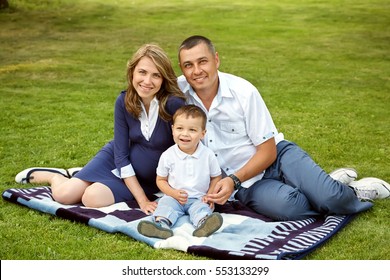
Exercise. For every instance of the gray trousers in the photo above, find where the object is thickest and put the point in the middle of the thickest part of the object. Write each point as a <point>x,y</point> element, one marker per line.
<point>295,187</point>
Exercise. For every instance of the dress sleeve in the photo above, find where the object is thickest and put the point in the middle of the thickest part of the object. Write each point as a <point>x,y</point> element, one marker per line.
<point>174,103</point>
<point>121,140</point>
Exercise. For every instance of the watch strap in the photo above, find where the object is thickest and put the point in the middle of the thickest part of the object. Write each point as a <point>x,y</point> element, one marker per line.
<point>237,182</point>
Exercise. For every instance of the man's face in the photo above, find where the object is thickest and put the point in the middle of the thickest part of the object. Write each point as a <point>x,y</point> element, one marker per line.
<point>200,67</point>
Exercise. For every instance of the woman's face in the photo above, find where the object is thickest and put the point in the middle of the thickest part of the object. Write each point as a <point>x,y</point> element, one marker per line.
<point>147,80</point>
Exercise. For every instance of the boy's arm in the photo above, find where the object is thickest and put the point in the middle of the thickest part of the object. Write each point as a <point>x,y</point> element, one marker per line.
<point>213,182</point>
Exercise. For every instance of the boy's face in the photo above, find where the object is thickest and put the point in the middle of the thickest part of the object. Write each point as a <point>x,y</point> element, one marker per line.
<point>187,132</point>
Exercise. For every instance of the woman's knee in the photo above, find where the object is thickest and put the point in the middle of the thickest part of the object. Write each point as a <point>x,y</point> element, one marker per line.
<point>67,192</point>
<point>97,195</point>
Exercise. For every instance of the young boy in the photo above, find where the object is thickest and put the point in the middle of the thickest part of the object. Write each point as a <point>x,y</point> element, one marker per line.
<point>186,172</point>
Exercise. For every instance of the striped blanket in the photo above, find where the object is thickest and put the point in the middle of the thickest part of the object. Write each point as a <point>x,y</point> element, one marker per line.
<point>244,234</point>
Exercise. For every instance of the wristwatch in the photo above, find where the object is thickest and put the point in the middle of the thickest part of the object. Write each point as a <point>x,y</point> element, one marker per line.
<point>236,181</point>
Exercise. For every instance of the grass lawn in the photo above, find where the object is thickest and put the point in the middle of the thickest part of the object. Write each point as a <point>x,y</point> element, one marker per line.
<point>322,67</point>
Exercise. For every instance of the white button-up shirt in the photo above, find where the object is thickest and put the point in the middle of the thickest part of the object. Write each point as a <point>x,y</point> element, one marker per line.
<point>148,121</point>
<point>238,121</point>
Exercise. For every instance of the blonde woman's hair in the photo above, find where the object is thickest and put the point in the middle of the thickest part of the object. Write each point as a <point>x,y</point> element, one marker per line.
<point>169,85</point>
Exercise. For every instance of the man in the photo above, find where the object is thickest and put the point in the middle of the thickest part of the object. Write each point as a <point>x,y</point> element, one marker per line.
<point>272,176</point>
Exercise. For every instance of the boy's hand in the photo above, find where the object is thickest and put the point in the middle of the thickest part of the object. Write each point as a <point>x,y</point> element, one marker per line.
<point>181,196</point>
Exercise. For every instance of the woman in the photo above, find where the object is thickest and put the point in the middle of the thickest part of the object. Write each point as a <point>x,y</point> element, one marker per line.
<point>125,168</point>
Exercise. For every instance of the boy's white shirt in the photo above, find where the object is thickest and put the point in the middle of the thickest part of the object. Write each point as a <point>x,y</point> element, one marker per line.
<point>189,172</point>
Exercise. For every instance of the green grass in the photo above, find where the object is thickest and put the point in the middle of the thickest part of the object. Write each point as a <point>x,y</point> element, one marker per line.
<point>321,66</point>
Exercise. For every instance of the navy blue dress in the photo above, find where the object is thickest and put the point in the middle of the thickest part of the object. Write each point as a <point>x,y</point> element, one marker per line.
<point>130,147</point>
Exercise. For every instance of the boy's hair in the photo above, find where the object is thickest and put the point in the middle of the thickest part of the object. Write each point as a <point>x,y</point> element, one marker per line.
<point>191,111</point>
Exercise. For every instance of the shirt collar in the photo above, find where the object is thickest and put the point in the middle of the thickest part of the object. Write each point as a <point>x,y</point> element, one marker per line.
<point>223,87</point>
<point>153,104</point>
<point>182,155</point>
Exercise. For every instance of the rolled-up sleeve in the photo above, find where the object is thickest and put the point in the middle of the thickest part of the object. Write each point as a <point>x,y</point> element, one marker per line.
<point>257,116</point>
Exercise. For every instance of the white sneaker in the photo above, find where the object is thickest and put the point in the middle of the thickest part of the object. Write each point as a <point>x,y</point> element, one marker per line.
<point>73,171</point>
<point>24,176</point>
<point>344,175</point>
<point>371,188</point>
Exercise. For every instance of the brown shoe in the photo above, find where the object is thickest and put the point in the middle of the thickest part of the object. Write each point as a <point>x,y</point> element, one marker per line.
<point>210,225</point>
<point>151,229</point>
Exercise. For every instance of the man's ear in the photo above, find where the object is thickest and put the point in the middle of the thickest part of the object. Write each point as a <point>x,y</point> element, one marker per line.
<point>217,61</point>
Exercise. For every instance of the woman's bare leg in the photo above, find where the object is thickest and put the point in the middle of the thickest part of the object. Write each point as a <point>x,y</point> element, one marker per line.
<point>98,195</point>
<point>68,191</point>
<point>46,177</point>
<point>73,190</point>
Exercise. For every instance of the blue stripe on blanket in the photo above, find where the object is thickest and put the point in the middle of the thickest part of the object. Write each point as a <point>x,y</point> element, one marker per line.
<point>243,235</point>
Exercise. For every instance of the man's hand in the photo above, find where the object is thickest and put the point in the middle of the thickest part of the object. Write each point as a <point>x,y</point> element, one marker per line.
<point>222,191</point>
<point>211,204</point>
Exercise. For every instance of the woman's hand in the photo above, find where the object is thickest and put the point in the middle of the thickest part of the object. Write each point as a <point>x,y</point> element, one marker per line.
<point>148,207</point>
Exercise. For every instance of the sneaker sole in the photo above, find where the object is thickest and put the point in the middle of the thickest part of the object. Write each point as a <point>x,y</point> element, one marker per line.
<point>151,229</point>
<point>211,225</point>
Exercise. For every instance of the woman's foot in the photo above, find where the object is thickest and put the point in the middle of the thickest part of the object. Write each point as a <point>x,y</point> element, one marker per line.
<point>39,175</point>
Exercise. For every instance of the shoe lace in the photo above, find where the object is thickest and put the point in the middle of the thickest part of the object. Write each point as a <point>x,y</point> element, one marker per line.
<point>366,193</point>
